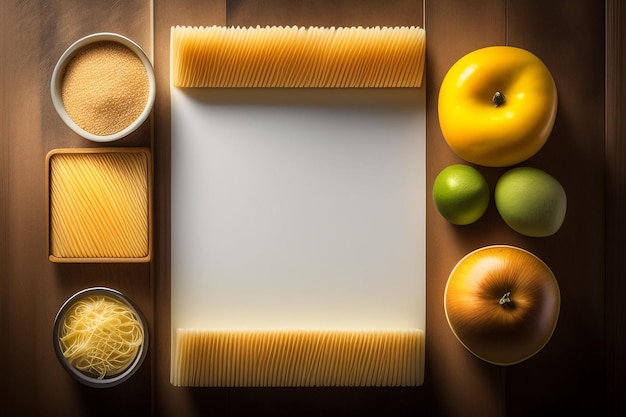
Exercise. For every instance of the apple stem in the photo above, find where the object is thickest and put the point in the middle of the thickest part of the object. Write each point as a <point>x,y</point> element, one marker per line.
<point>506,299</point>
<point>498,99</point>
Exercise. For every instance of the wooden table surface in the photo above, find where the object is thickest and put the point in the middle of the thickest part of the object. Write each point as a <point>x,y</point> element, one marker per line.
<point>581,369</point>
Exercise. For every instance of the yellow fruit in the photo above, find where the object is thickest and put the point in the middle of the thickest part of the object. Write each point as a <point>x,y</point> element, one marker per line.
<point>497,106</point>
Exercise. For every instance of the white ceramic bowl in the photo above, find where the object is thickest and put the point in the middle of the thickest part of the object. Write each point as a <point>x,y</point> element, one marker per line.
<point>86,378</point>
<point>59,73</point>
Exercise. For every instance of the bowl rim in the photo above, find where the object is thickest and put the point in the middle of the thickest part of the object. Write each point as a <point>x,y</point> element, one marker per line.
<point>81,376</point>
<point>59,71</point>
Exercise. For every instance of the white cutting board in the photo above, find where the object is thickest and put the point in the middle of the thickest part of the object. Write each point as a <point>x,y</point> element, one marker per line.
<point>298,209</point>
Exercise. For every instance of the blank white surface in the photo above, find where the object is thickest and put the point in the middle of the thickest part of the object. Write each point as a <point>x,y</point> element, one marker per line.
<point>298,209</point>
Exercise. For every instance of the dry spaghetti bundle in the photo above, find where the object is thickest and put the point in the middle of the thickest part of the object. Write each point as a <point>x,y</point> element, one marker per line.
<point>278,56</point>
<point>100,336</point>
<point>297,358</point>
<point>99,205</point>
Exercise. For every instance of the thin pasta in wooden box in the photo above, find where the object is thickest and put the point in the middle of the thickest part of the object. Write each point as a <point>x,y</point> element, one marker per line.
<point>99,205</point>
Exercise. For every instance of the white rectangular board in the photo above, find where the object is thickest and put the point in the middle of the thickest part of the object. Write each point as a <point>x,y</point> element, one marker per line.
<point>298,208</point>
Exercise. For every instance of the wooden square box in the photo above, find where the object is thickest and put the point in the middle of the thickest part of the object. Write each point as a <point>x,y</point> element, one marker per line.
<point>99,204</point>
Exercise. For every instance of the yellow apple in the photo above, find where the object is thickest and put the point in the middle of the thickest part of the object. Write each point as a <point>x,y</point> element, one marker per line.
<point>497,106</point>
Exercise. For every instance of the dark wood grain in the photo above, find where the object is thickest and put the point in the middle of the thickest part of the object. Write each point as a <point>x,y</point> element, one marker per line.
<point>168,400</point>
<point>35,34</point>
<point>615,206</point>
<point>324,13</point>
<point>582,368</point>
<point>453,29</point>
<point>574,154</point>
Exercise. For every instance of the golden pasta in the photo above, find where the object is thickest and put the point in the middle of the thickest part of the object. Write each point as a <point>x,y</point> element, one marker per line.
<point>222,358</point>
<point>100,336</point>
<point>99,205</point>
<point>277,56</point>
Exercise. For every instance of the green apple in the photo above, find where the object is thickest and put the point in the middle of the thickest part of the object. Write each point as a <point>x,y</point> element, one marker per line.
<point>531,201</point>
<point>461,194</point>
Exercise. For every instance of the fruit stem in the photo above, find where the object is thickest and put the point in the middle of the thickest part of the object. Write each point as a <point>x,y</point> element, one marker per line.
<point>498,99</point>
<point>506,299</point>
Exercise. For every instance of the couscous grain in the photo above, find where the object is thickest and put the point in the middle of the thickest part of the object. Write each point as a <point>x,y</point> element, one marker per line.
<point>105,88</point>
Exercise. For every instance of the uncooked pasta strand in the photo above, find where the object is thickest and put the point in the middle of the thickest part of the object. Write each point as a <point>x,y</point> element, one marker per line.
<point>297,358</point>
<point>99,205</point>
<point>277,56</point>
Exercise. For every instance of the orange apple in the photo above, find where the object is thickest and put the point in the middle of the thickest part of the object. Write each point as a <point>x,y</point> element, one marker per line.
<point>502,303</point>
